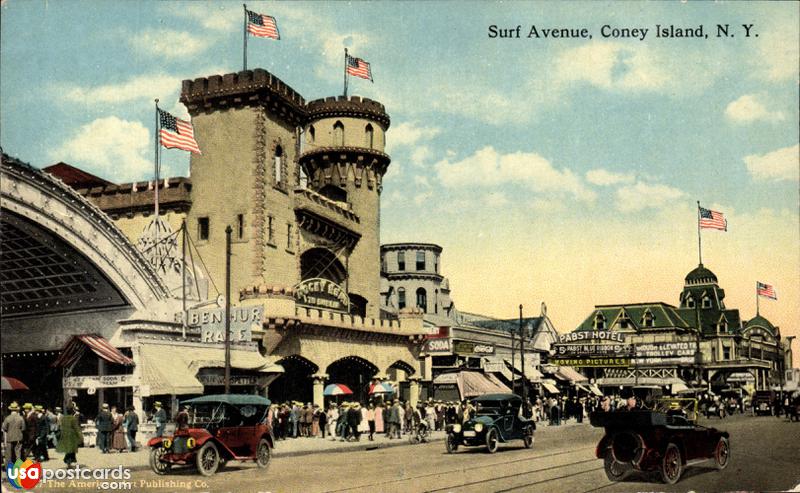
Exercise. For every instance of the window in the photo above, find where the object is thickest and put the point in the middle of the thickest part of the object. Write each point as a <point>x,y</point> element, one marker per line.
<point>726,352</point>
<point>312,135</point>
<point>240,226</point>
<point>338,133</point>
<point>599,322</point>
<point>689,302</point>
<point>369,136</point>
<point>383,263</point>
<point>647,319</point>
<point>270,230</point>
<point>723,326</point>
<point>278,166</point>
<point>422,299</point>
<point>436,263</point>
<point>401,260</point>
<point>303,179</point>
<point>436,301</point>
<point>706,302</point>
<point>202,228</point>
<point>401,298</point>
<point>624,321</point>
<point>420,260</point>
<point>289,236</point>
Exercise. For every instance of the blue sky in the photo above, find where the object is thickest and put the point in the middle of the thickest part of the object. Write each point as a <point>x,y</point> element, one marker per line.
<point>556,170</point>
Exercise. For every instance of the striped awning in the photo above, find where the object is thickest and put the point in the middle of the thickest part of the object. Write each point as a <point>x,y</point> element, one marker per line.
<point>75,347</point>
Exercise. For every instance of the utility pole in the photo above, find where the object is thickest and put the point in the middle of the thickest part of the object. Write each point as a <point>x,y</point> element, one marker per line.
<point>513,363</point>
<point>522,358</point>
<point>228,309</point>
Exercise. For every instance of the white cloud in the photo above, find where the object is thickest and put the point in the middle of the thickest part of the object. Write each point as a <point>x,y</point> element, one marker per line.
<point>214,16</point>
<point>169,44</point>
<point>779,165</point>
<point>547,205</point>
<point>488,168</point>
<point>421,181</point>
<point>604,177</point>
<point>778,52</point>
<point>141,87</point>
<point>409,133</point>
<point>640,196</point>
<point>749,108</point>
<point>116,149</point>
<point>612,66</point>
<point>420,155</point>
<point>422,197</point>
<point>495,199</point>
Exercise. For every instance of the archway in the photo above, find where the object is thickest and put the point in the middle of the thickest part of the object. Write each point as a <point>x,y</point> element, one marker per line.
<point>356,373</point>
<point>398,372</point>
<point>321,262</point>
<point>295,384</point>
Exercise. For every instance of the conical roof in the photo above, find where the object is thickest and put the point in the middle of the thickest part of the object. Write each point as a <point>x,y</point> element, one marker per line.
<point>700,275</point>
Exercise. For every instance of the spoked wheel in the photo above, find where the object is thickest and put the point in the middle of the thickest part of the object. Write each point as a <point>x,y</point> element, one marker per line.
<point>208,459</point>
<point>263,453</point>
<point>615,470</point>
<point>492,440</point>
<point>450,443</point>
<point>156,464</point>
<point>722,453</point>
<point>528,439</point>
<point>671,464</point>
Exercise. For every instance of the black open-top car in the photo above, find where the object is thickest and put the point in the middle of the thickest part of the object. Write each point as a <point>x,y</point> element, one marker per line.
<point>644,440</point>
<point>497,420</point>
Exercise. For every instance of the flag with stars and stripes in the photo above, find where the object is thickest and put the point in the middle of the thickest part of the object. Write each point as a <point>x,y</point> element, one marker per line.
<point>359,68</point>
<point>713,220</point>
<point>176,133</point>
<point>766,290</point>
<point>263,26</point>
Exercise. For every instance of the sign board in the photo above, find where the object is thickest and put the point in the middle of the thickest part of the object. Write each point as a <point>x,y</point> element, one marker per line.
<point>236,380</point>
<point>665,352</point>
<point>594,362</point>
<point>470,348</point>
<point>98,381</point>
<point>212,323</point>
<point>618,350</point>
<point>494,366</point>
<point>438,346</point>
<point>596,335</point>
<point>322,293</point>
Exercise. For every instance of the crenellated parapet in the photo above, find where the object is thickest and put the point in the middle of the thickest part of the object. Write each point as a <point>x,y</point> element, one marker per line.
<point>342,165</point>
<point>348,107</point>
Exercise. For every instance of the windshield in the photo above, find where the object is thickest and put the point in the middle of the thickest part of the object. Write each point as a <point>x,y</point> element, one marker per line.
<point>200,415</point>
<point>487,408</point>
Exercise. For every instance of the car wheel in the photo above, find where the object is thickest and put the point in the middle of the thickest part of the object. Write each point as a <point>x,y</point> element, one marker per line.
<point>671,464</point>
<point>615,470</point>
<point>208,459</point>
<point>722,453</point>
<point>156,464</point>
<point>263,453</point>
<point>492,440</point>
<point>450,443</point>
<point>528,439</point>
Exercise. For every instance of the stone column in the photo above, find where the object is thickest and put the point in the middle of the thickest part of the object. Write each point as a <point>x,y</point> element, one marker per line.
<point>413,390</point>
<point>319,387</point>
<point>138,395</point>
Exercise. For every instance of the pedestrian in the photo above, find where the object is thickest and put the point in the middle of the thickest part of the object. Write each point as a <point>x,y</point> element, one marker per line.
<point>323,422</point>
<point>341,422</point>
<point>71,437</point>
<point>294,420</point>
<point>159,418</point>
<point>332,420</point>
<point>354,420</point>
<point>579,410</point>
<point>380,424</point>
<point>42,432</point>
<point>182,419</point>
<point>131,424</point>
<point>394,420</point>
<point>308,419</point>
<point>14,433</point>
<point>31,430</point>
<point>54,421</point>
<point>117,431</point>
<point>105,426</point>
<point>371,421</point>
<point>386,424</point>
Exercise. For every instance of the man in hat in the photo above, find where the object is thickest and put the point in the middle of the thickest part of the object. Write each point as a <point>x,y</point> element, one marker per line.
<point>13,432</point>
<point>159,418</point>
<point>54,421</point>
<point>31,429</point>
<point>182,419</point>
<point>105,424</point>
<point>43,430</point>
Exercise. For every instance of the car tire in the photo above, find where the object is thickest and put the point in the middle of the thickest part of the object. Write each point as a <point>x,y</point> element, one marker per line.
<point>263,453</point>
<point>671,464</point>
<point>450,443</point>
<point>615,470</point>
<point>528,438</point>
<point>492,440</point>
<point>159,467</point>
<point>722,453</point>
<point>207,459</point>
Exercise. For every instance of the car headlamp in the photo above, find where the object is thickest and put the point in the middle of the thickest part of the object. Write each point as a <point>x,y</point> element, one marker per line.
<point>191,442</point>
<point>167,443</point>
<point>456,428</point>
<point>478,427</point>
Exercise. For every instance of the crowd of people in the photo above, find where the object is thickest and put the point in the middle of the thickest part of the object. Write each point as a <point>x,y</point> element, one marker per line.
<point>33,429</point>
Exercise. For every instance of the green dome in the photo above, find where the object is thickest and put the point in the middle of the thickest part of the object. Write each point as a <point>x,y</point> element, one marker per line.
<point>700,275</point>
<point>759,321</point>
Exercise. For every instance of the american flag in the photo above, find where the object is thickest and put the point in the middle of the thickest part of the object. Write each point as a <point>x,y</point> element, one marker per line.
<point>713,220</point>
<point>263,26</point>
<point>766,290</point>
<point>177,133</point>
<point>358,68</point>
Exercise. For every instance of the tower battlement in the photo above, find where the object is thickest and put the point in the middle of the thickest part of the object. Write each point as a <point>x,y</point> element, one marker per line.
<point>353,107</point>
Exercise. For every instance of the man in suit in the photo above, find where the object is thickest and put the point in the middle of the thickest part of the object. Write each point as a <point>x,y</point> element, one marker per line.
<point>14,432</point>
<point>105,424</point>
<point>159,418</point>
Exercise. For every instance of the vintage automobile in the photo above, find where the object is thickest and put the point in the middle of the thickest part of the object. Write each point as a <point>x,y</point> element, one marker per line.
<point>644,440</point>
<point>762,402</point>
<point>497,420</point>
<point>220,428</point>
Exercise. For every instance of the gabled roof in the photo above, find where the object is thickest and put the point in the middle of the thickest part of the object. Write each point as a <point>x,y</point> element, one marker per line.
<point>665,316</point>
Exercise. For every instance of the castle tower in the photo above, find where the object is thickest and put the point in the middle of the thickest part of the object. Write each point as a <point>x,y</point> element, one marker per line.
<point>343,160</point>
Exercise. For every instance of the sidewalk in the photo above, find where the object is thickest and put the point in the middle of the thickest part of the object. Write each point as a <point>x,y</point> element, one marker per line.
<point>91,456</point>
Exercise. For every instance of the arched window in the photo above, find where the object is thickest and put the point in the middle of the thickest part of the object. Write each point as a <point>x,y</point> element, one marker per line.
<point>278,166</point>
<point>334,193</point>
<point>647,319</point>
<point>599,322</point>
<point>436,301</point>
<point>312,135</point>
<point>624,321</point>
<point>401,260</point>
<point>706,302</point>
<point>422,299</point>
<point>401,298</point>
<point>338,133</point>
<point>689,302</point>
<point>369,136</point>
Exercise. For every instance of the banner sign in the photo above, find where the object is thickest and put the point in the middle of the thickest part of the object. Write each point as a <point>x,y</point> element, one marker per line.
<point>620,350</point>
<point>593,362</point>
<point>438,346</point>
<point>98,381</point>
<point>665,352</point>
<point>596,335</point>
<point>468,348</point>
<point>212,323</point>
<point>494,366</point>
<point>322,293</point>
<point>237,380</point>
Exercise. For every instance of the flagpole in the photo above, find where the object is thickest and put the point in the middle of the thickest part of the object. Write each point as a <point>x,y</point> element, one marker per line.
<point>758,310</point>
<point>244,35</point>
<point>699,243</point>
<point>155,185</point>
<point>345,72</point>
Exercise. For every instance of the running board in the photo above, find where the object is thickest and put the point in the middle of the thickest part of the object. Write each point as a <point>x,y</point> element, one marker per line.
<point>694,462</point>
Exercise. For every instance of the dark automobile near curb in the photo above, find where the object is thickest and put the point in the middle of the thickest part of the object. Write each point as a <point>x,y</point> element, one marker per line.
<point>221,428</point>
<point>650,441</point>
<point>497,420</point>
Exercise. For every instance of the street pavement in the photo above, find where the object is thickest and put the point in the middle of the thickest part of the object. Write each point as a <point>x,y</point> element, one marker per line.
<point>764,457</point>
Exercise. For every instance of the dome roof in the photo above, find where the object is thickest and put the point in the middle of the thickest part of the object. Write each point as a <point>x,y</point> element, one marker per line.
<point>700,275</point>
<point>760,321</point>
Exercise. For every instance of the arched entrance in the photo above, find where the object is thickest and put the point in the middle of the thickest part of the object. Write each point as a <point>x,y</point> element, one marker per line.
<point>399,372</point>
<point>322,263</point>
<point>356,373</point>
<point>295,384</point>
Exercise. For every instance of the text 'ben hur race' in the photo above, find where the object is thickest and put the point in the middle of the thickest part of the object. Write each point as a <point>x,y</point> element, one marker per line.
<point>624,32</point>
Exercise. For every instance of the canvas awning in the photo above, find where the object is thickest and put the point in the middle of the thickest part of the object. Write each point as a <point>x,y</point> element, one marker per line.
<point>595,390</point>
<point>76,346</point>
<point>531,373</point>
<point>678,387</point>
<point>472,383</point>
<point>569,374</point>
<point>551,388</point>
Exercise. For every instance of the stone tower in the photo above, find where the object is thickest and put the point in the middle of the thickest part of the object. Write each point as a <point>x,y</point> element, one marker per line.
<point>343,159</point>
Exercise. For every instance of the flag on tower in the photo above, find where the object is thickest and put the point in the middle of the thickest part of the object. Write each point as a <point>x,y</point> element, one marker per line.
<point>359,68</point>
<point>263,26</point>
<point>766,290</point>
<point>712,220</point>
<point>177,133</point>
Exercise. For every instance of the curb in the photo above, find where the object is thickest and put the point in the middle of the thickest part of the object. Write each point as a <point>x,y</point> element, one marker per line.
<point>354,448</point>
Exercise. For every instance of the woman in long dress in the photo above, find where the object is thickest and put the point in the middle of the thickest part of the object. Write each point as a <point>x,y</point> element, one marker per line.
<point>379,418</point>
<point>118,436</point>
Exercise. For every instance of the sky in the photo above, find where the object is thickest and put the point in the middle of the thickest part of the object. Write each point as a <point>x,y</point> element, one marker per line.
<point>563,171</point>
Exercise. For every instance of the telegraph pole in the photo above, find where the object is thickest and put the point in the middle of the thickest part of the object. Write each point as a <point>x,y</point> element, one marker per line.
<point>522,358</point>
<point>228,309</point>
